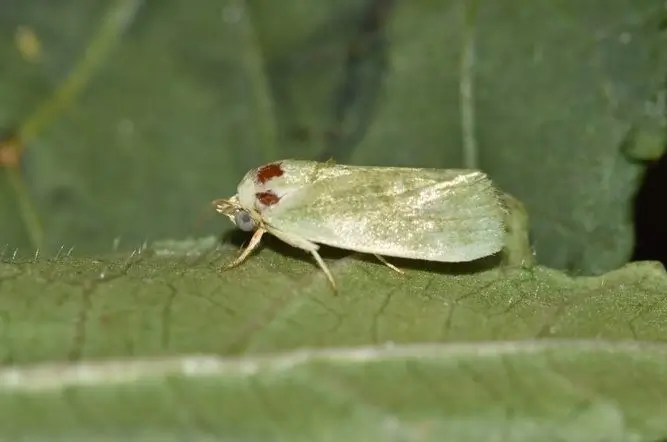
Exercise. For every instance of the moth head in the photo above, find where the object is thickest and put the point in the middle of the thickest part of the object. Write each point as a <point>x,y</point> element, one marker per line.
<point>233,210</point>
<point>228,207</point>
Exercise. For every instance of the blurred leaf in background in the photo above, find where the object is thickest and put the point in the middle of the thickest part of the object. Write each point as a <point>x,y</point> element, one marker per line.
<point>189,98</point>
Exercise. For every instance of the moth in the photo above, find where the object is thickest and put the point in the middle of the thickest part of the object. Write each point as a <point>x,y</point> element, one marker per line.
<point>444,215</point>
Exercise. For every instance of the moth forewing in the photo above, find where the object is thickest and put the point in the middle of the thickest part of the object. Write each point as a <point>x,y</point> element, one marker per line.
<point>447,215</point>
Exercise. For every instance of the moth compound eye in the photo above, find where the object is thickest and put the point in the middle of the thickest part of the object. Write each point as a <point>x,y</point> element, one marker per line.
<point>244,221</point>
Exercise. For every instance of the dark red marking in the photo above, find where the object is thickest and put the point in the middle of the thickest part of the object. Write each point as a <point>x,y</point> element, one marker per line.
<point>267,198</point>
<point>268,172</point>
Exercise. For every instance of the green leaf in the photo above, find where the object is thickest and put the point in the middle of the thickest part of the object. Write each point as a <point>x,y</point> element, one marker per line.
<point>164,342</point>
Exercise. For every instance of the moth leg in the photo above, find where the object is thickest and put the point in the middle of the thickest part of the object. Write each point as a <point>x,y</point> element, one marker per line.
<point>304,244</point>
<point>390,265</point>
<point>324,268</point>
<point>252,245</point>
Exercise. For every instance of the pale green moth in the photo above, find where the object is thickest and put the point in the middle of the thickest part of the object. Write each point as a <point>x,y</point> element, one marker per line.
<point>445,215</point>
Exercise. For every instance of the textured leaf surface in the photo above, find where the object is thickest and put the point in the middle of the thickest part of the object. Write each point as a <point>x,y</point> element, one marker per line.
<point>111,346</point>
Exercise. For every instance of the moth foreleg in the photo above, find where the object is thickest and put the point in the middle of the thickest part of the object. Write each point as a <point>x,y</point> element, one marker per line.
<point>252,245</point>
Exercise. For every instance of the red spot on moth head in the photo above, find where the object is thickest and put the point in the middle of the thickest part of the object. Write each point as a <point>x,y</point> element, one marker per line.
<point>267,198</point>
<point>268,172</point>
